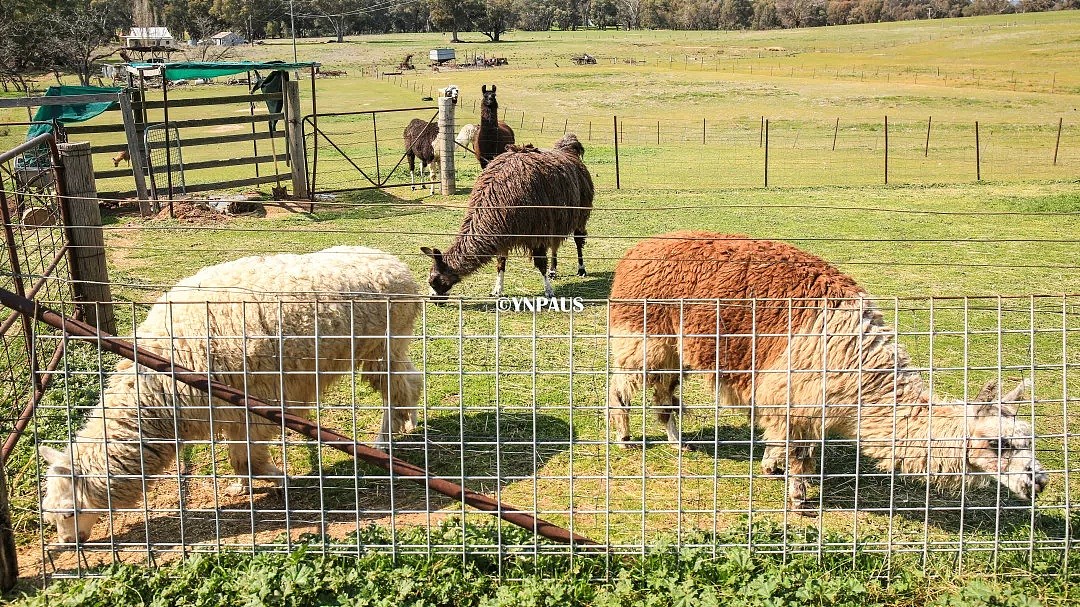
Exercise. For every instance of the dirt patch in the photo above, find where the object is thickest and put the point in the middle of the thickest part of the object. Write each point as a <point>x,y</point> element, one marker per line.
<point>189,212</point>
<point>212,520</point>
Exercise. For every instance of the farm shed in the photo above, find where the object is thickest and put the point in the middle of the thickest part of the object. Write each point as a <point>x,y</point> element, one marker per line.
<point>149,36</point>
<point>227,39</point>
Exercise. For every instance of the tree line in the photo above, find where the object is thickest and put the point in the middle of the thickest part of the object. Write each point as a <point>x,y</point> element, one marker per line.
<point>73,35</point>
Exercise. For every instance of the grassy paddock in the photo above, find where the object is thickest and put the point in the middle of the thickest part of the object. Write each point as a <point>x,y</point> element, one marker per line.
<point>933,232</point>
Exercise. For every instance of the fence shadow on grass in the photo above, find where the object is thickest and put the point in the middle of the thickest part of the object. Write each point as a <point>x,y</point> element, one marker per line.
<point>986,510</point>
<point>347,493</point>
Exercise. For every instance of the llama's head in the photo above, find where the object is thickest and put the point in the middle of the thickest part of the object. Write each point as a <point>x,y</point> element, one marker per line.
<point>61,505</point>
<point>569,143</point>
<point>489,100</point>
<point>1001,446</point>
<point>442,278</point>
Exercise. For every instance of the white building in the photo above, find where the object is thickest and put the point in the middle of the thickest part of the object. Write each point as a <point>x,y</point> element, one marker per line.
<point>149,36</point>
<point>227,39</point>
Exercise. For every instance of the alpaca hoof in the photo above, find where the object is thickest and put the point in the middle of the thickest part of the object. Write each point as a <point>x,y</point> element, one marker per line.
<point>236,489</point>
<point>803,508</point>
<point>552,275</point>
<point>626,445</point>
<point>771,470</point>
<point>582,273</point>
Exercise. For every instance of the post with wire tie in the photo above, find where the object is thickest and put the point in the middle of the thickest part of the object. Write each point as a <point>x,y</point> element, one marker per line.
<point>447,99</point>
<point>294,129</point>
<point>86,241</point>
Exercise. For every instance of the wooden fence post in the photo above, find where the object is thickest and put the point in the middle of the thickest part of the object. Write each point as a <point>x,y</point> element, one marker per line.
<point>135,152</point>
<point>294,130</point>
<point>835,131</point>
<point>446,140</point>
<point>89,272</point>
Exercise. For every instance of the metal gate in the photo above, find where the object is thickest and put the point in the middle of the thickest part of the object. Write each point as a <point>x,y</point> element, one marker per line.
<point>350,151</point>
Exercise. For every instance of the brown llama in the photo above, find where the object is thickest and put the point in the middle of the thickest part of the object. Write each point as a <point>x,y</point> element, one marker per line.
<point>494,135</point>
<point>526,199</point>
<point>768,355</point>
<point>420,144</point>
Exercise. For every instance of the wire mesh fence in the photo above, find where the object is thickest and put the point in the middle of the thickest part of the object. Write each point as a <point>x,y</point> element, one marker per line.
<point>515,405</point>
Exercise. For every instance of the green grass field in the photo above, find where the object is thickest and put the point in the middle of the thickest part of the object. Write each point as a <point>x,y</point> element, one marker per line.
<point>932,232</point>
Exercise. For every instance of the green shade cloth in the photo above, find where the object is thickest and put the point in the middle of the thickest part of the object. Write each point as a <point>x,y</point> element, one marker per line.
<point>188,70</point>
<point>69,113</point>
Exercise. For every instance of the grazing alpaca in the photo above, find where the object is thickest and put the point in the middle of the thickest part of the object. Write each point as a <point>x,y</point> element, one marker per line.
<point>366,299</point>
<point>493,135</point>
<point>526,199</point>
<point>420,144</point>
<point>769,357</point>
<point>121,157</point>
<point>466,136</point>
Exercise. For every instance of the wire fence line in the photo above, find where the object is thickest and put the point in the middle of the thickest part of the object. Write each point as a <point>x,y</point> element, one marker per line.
<point>658,153</point>
<point>515,405</point>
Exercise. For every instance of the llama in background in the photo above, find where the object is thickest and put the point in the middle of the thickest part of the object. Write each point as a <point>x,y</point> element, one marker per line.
<point>420,144</point>
<point>769,353</point>
<point>526,199</point>
<point>493,135</point>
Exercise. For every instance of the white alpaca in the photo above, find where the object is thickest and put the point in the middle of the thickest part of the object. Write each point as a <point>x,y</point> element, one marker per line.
<point>465,138</point>
<point>284,328</point>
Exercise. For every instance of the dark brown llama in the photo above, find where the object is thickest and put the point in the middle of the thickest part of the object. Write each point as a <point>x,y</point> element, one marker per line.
<point>494,135</point>
<point>420,144</point>
<point>527,199</point>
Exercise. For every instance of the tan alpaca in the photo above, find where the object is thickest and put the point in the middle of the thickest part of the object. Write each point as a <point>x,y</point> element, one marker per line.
<point>805,316</point>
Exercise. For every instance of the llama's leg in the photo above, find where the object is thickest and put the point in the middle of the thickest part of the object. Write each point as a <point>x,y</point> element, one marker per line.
<point>553,271</point>
<point>500,265</point>
<point>412,171</point>
<point>787,452</point>
<point>400,392</point>
<point>579,242</point>
<point>539,255</point>
<point>668,407</point>
<point>433,169</point>
<point>624,384</point>
<point>248,459</point>
<point>627,362</point>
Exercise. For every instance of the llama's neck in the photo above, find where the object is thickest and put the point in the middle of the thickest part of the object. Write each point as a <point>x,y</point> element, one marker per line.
<point>112,453</point>
<point>489,117</point>
<point>470,250</point>
<point>916,438</point>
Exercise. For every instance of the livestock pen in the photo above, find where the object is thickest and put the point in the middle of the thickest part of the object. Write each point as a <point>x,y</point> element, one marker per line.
<point>514,405</point>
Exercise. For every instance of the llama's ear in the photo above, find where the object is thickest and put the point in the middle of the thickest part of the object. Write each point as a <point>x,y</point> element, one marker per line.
<point>493,88</point>
<point>483,88</point>
<point>988,392</point>
<point>432,253</point>
<point>53,457</point>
